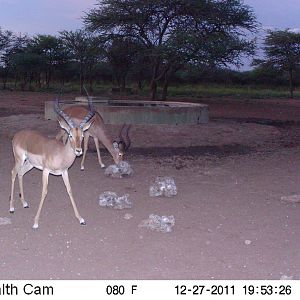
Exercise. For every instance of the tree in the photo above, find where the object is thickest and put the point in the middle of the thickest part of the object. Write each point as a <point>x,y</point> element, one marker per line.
<point>51,54</point>
<point>122,54</point>
<point>95,53</point>
<point>27,66</point>
<point>14,44</point>
<point>282,50</point>
<point>83,48</point>
<point>175,32</point>
<point>5,39</point>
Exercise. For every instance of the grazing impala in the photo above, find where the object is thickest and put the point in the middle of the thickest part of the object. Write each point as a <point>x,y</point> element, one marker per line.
<point>32,150</point>
<point>98,131</point>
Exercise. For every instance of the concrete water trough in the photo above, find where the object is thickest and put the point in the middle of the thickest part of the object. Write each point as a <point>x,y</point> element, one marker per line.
<point>139,112</point>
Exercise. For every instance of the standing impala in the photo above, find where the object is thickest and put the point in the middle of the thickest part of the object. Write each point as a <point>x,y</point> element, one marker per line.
<point>33,150</point>
<point>98,131</point>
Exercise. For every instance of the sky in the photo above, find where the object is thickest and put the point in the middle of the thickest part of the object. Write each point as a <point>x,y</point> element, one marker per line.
<point>277,14</point>
<point>43,16</point>
<point>52,16</point>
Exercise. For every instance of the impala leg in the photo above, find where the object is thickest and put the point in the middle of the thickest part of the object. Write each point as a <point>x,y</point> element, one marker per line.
<point>25,168</point>
<point>13,178</point>
<point>44,193</point>
<point>98,153</point>
<point>65,177</point>
<point>85,148</point>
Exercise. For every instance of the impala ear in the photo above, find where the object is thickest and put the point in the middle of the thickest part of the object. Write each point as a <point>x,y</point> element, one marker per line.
<point>64,125</point>
<point>122,146</point>
<point>86,126</point>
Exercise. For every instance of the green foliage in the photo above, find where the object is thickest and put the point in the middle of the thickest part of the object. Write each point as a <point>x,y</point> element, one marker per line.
<point>182,47</point>
<point>234,92</point>
<point>84,49</point>
<point>178,32</point>
<point>282,50</point>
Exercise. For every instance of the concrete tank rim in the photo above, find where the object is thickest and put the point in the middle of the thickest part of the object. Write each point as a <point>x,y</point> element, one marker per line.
<point>110,102</point>
<point>141,111</point>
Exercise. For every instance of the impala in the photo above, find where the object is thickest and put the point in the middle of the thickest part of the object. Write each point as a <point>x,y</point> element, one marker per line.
<point>98,131</point>
<point>33,150</point>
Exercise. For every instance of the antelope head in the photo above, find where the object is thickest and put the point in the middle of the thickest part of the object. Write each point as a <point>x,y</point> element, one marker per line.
<point>123,142</point>
<point>75,133</point>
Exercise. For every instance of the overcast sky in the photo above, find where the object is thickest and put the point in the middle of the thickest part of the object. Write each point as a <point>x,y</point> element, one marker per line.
<point>43,16</point>
<point>52,16</point>
<point>277,14</point>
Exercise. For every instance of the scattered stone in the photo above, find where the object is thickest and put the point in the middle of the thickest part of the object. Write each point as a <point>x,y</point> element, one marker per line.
<point>163,186</point>
<point>163,224</point>
<point>291,198</point>
<point>111,199</point>
<point>128,216</point>
<point>248,242</point>
<point>123,169</point>
<point>5,221</point>
<point>285,277</point>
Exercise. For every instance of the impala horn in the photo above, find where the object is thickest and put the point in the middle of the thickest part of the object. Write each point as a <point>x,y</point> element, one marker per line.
<point>62,114</point>
<point>91,112</point>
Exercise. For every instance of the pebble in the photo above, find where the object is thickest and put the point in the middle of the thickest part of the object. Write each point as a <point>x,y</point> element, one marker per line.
<point>128,216</point>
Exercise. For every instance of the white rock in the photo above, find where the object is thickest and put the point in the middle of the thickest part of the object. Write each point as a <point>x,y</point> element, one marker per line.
<point>128,216</point>
<point>5,221</point>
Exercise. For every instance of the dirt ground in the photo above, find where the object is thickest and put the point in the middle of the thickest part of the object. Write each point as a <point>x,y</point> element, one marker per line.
<point>230,221</point>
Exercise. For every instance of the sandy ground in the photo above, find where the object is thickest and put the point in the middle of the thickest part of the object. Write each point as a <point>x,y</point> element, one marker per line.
<point>230,220</point>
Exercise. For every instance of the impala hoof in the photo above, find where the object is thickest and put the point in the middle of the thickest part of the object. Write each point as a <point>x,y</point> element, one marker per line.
<point>102,166</point>
<point>82,168</point>
<point>11,210</point>
<point>82,222</point>
<point>35,226</point>
<point>25,205</point>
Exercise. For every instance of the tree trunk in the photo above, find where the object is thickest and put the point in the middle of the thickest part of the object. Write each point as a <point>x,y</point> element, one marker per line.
<point>123,83</point>
<point>49,78</point>
<point>153,84</point>
<point>4,80</point>
<point>81,78</point>
<point>165,87</point>
<point>153,88</point>
<point>16,80</point>
<point>291,83</point>
<point>140,84</point>
<point>39,84</point>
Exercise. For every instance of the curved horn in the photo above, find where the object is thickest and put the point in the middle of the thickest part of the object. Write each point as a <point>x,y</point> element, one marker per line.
<point>91,107</point>
<point>62,114</point>
<point>91,112</point>
<point>86,119</point>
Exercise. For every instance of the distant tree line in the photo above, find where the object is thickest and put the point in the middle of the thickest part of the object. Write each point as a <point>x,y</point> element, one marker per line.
<point>150,43</point>
<point>42,59</point>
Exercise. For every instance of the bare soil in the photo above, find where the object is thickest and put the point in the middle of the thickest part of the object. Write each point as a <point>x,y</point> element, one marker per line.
<point>230,220</point>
